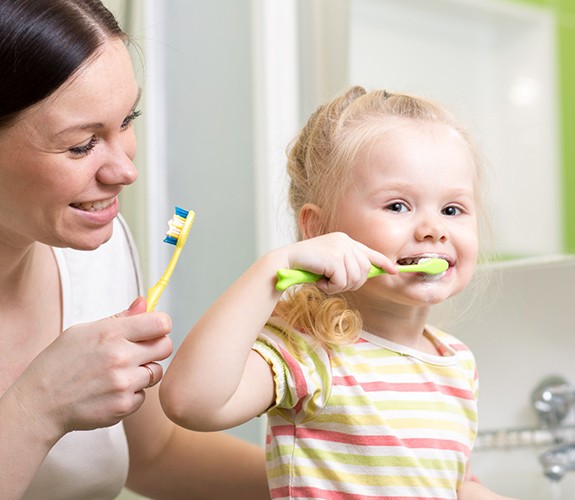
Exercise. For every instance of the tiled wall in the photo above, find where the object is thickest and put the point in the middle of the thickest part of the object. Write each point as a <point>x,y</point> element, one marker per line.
<point>521,328</point>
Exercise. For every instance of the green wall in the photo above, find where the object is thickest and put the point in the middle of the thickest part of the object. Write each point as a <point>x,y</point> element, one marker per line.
<point>565,14</point>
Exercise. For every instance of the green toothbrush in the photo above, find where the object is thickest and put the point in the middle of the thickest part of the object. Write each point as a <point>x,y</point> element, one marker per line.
<point>289,277</point>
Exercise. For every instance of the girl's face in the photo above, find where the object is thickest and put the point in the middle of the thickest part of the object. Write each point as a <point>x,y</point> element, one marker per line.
<point>65,161</point>
<point>413,196</point>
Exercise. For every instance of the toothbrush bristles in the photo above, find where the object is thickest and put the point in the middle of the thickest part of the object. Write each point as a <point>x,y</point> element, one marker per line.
<point>175,225</point>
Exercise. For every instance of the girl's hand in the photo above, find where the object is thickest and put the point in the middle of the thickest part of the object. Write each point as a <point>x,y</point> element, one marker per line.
<point>94,374</point>
<point>343,261</point>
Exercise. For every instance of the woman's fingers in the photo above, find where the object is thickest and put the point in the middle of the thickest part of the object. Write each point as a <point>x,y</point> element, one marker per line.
<point>154,373</point>
<point>136,325</point>
<point>146,339</point>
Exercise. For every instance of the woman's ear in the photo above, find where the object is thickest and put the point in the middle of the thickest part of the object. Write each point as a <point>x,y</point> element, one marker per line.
<point>310,223</point>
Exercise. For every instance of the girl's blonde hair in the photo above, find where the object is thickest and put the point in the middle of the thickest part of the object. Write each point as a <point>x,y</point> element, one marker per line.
<point>320,161</point>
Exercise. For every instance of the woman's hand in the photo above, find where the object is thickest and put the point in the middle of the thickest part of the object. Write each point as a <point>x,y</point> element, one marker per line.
<point>94,374</point>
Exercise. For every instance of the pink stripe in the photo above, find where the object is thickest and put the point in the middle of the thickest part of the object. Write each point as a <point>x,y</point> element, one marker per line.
<point>295,368</point>
<point>369,440</point>
<point>309,492</point>
<point>405,387</point>
<point>459,347</point>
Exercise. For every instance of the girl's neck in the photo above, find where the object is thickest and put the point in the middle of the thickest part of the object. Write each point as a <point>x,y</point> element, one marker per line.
<point>401,324</point>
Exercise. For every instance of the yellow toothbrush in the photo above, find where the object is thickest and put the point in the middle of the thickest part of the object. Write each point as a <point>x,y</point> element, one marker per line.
<point>178,229</point>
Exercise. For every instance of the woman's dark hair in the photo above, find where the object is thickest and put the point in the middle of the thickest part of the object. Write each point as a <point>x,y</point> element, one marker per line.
<point>42,43</point>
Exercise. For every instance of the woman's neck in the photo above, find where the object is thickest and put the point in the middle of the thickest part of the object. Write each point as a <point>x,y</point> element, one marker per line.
<point>24,271</point>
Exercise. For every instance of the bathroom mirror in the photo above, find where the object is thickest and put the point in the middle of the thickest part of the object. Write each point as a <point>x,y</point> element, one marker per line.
<point>491,62</point>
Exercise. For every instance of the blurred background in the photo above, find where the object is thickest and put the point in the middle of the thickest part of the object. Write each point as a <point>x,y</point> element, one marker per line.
<point>227,84</point>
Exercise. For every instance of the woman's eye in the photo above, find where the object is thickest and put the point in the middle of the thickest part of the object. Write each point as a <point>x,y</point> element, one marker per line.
<point>85,149</point>
<point>130,118</point>
<point>397,207</point>
<point>451,211</point>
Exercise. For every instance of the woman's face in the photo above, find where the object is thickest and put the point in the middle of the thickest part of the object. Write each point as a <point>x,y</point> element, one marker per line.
<point>64,162</point>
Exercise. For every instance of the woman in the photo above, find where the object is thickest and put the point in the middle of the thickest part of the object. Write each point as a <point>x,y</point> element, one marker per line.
<point>75,355</point>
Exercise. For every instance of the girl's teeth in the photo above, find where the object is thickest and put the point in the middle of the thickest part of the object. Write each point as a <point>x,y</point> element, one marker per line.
<point>417,260</point>
<point>434,277</point>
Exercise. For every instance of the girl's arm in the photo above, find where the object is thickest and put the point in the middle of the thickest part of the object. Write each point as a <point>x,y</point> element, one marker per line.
<point>216,381</point>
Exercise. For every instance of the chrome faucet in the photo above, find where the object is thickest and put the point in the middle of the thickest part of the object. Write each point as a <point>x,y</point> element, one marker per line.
<point>553,400</point>
<point>558,461</point>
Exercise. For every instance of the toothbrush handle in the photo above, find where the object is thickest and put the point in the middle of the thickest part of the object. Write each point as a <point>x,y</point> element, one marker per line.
<point>156,291</point>
<point>289,277</point>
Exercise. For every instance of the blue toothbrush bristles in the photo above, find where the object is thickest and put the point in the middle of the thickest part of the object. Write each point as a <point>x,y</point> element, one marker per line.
<point>175,225</point>
<point>182,212</point>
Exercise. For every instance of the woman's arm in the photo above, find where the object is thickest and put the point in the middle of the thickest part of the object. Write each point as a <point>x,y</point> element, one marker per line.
<point>89,377</point>
<point>25,440</point>
<point>169,462</point>
<point>472,490</point>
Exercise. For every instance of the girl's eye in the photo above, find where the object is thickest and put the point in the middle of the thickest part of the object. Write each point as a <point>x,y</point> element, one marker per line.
<point>397,207</point>
<point>451,211</point>
<point>85,149</point>
<point>130,118</point>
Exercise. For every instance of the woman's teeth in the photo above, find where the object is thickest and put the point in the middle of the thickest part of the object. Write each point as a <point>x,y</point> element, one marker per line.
<point>93,206</point>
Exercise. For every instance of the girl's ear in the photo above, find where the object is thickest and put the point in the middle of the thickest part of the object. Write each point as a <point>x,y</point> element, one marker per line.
<point>309,221</point>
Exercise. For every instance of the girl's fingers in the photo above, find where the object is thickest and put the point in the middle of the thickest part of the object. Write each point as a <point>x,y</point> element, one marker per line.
<point>344,261</point>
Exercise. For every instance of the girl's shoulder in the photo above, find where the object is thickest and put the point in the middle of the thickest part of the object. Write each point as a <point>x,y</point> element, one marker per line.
<point>446,339</point>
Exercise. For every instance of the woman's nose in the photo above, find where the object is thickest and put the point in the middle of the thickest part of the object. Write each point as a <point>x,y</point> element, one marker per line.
<point>119,168</point>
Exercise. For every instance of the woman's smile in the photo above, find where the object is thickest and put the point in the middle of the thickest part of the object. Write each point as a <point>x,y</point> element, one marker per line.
<point>94,206</point>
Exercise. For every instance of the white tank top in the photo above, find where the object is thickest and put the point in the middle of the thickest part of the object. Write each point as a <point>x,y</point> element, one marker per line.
<point>91,464</point>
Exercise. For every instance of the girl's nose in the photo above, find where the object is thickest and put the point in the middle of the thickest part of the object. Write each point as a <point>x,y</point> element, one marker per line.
<point>431,228</point>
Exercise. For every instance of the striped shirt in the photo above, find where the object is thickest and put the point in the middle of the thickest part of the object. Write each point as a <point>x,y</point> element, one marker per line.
<point>373,419</point>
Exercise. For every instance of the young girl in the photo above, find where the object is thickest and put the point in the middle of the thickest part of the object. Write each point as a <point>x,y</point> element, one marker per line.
<point>364,399</point>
